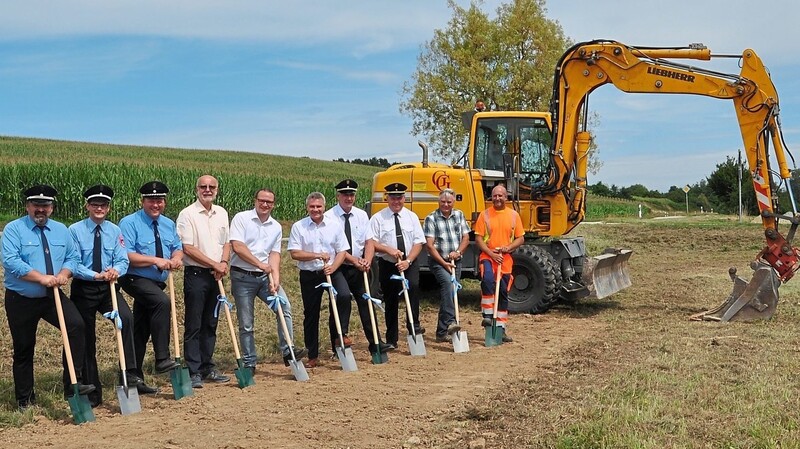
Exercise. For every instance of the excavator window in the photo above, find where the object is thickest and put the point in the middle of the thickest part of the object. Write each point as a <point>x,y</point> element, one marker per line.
<point>530,138</point>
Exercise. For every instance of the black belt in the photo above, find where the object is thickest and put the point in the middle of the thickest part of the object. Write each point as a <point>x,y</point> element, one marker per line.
<point>251,273</point>
<point>86,282</point>
<point>197,269</point>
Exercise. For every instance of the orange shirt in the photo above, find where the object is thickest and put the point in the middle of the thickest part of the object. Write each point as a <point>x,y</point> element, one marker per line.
<point>499,232</point>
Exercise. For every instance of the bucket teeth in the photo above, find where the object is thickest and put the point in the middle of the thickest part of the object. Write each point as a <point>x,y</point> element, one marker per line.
<point>749,301</point>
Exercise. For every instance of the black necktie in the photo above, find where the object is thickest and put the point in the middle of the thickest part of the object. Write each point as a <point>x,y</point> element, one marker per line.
<point>97,251</point>
<point>48,262</point>
<point>398,231</point>
<point>347,232</point>
<point>159,249</point>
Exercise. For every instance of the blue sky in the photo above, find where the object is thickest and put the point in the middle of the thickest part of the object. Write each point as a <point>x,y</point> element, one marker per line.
<point>323,79</point>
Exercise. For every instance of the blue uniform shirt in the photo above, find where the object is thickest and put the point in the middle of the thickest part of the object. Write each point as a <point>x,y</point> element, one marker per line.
<point>23,252</point>
<point>137,230</point>
<point>114,255</point>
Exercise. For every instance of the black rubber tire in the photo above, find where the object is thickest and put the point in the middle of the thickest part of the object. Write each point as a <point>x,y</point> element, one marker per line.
<point>535,287</point>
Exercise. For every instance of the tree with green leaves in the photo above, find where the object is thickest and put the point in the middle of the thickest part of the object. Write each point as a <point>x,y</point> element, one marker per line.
<point>507,62</point>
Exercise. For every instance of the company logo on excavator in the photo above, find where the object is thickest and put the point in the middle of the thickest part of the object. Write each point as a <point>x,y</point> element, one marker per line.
<point>670,74</point>
<point>440,179</point>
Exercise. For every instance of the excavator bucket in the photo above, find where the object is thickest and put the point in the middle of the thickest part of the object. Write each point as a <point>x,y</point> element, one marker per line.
<point>608,272</point>
<point>749,301</point>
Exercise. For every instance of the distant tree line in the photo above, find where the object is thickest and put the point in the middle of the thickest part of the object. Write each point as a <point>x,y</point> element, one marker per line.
<point>373,161</point>
<point>718,192</point>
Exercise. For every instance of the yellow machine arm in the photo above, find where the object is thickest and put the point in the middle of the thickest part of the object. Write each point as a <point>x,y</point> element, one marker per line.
<point>589,65</point>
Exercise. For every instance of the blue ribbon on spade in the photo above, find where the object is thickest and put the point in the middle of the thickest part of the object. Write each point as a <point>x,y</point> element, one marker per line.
<point>220,301</point>
<point>396,277</point>
<point>274,300</point>
<point>378,303</point>
<point>114,316</point>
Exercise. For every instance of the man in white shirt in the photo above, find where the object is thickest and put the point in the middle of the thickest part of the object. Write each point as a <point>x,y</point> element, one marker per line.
<point>396,236</point>
<point>355,222</point>
<point>203,228</point>
<point>255,271</point>
<point>319,246</point>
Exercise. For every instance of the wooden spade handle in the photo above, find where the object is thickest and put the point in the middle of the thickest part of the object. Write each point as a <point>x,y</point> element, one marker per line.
<point>408,305</point>
<point>335,310</point>
<point>63,326</point>
<point>455,293</point>
<point>498,278</point>
<point>286,335</point>
<point>230,321</point>
<point>173,313</point>
<point>371,310</point>
<point>117,331</point>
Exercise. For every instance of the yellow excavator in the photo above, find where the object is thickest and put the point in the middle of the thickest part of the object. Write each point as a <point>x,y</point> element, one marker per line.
<point>542,158</point>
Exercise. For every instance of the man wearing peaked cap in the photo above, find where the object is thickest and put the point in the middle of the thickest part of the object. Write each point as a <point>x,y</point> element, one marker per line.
<point>154,248</point>
<point>347,186</point>
<point>38,256</point>
<point>396,188</point>
<point>41,194</point>
<point>154,189</point>
<point>103,260</point>
<point>396,236</point>
<point>355,222</point>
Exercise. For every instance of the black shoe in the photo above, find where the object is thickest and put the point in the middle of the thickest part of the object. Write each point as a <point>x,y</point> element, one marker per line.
<point>132,378</point>
<point>143,388</point>
<point>442,338</point>
<point>419,330</point>
<point>486,322</point>
<point>163,366</point>
<point>507,338</point>
<point>298,354</point>
<point>197,382</point>
<point>386,347</point>
<point>85,389</point>
<point>26,405</point>
<point>391,346</point>
<point>216,377</point>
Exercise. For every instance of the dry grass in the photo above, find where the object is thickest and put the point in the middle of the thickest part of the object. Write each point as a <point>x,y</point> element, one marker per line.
<point>657,379</point>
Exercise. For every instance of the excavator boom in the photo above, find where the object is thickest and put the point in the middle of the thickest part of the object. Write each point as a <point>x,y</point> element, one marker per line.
<point>589,65</point>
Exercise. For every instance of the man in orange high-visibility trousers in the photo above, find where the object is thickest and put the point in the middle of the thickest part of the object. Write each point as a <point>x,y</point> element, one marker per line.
<point>498,232</point>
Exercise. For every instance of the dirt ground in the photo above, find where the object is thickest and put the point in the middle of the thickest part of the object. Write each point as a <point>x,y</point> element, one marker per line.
<point>478,399</point>
<point>396,404</point>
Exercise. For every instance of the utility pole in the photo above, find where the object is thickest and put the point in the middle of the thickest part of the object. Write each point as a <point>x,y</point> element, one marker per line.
<point>739,171</point>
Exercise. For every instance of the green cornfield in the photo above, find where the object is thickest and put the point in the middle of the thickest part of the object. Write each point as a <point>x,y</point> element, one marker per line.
<point>72,167</point>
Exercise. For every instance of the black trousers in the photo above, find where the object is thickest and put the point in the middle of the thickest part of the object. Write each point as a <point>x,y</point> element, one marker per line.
<point>355,280</point>
<point>23,316</point>
<point>200,291</point>
<point>393,296</point>
<point>91,298</point>
<point>312,303</point>
<point>151,315</point>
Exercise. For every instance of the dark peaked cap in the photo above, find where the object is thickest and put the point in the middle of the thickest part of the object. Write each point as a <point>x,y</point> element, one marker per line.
<point>347,185</point>
<point>154,189</point>
<point>100,192</point>
<point>396,188</point>
<point>40,194</point>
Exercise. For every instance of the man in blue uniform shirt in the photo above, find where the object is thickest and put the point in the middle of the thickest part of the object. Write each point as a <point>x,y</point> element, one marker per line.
<point>154,249</point>
<point>103,259</point>
<point>38,255</point>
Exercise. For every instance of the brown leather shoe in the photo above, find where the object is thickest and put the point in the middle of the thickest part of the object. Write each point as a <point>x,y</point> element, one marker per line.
<point>347,342</point>
<point>311,363</point>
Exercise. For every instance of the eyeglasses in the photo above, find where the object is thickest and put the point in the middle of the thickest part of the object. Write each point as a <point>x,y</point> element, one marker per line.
<point>98,205</point>
<point>207,187</point>
<point>265,201</point>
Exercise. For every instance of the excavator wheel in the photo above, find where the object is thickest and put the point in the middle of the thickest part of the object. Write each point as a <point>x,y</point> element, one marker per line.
<point>535,287</point>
